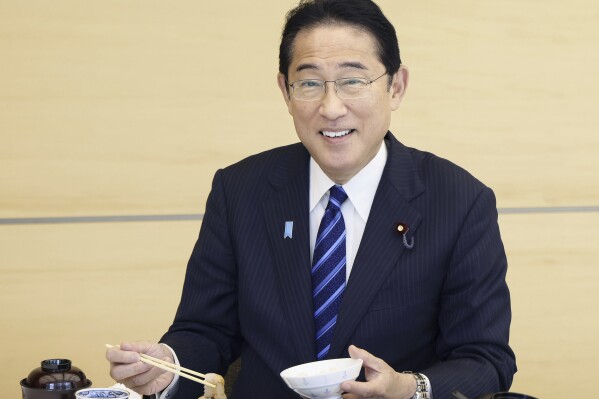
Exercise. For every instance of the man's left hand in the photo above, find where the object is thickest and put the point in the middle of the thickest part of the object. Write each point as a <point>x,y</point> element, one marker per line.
<point>382,382</point>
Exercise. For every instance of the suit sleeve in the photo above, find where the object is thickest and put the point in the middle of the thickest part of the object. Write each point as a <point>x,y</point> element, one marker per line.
<point>475,314</point>
<point>205,332</point>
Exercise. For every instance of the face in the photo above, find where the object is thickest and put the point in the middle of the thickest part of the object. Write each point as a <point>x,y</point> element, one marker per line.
<point>341,135</point>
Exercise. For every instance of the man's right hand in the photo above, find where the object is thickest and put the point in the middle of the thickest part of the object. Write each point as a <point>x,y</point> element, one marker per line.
<point>127,368</point>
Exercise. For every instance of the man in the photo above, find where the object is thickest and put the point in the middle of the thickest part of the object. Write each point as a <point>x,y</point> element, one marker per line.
<point>413,237</point>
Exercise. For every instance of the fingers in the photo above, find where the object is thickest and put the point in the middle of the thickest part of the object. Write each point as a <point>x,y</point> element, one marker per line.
<point>150,382</point>
<point>128,352</point>
<point>381,380</point>
<point>149,348</point>
<point>127,368</point>
<point>118,355</point>
<point>131,374</point>
<point>356,390</point>
<point>371,365</point>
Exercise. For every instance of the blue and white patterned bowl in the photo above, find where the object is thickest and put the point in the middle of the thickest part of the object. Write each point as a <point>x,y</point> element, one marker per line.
<point>102,393</point>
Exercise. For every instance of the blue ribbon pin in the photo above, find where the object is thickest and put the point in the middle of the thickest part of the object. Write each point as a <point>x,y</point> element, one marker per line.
<point>288,230</point>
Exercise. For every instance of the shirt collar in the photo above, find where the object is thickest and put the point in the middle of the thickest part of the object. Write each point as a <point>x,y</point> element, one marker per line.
<point>360,189</point>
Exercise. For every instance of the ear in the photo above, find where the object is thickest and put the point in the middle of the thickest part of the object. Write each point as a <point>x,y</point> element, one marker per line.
<point>284,87</point>
<point>399,86</point>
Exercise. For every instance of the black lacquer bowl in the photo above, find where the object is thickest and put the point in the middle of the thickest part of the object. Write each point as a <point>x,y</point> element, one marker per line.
<point>55,379</point>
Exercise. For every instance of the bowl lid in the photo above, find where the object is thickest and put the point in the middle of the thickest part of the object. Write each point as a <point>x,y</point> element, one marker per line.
<point>56,374</point>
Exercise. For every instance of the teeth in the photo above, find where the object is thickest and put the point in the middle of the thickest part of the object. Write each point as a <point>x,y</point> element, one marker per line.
<point>335,134</point>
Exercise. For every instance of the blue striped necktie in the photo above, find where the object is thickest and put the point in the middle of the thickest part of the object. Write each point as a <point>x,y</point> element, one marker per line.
<point>328,271</point>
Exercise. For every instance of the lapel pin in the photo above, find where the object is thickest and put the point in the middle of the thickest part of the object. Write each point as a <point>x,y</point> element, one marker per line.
<point>403,229</point>
<point>288,230</point>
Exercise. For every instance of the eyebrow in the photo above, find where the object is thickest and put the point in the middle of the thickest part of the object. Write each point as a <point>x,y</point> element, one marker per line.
<point>349,64</point>
<point>355,65</point>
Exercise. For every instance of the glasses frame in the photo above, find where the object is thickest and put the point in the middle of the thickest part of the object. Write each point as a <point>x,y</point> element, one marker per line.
<point>324,83</point>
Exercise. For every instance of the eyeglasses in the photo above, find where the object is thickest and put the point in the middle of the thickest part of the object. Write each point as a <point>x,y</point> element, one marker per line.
<point>346,88</point>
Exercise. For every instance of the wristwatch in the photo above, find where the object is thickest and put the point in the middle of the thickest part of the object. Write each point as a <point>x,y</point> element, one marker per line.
<point>421,391</point>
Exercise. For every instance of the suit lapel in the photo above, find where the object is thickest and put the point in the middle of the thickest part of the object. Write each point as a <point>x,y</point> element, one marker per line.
<point>289,203</point>
<point>381,245</point>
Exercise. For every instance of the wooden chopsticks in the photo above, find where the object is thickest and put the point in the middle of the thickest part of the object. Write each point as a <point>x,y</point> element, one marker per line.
<point>173,368</point>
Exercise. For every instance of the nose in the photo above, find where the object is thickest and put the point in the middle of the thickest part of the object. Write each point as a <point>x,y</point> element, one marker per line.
<point>332,106</point>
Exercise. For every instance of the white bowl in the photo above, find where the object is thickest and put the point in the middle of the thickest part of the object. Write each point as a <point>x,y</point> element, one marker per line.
<point>322,379</point>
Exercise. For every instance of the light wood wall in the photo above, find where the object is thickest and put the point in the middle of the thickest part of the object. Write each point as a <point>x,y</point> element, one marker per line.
<point>127,107</point>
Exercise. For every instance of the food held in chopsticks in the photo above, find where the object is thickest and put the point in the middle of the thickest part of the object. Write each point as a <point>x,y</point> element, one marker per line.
<point>214,393</point>
<point>173,368</point>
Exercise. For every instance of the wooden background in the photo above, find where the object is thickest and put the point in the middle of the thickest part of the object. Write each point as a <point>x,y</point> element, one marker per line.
<point>128,107</point>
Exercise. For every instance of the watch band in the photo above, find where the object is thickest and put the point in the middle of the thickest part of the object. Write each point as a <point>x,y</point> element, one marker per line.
<point>421,388</point>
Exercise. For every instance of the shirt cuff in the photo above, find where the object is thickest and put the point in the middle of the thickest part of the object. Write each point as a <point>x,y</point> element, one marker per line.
<point>171,389</point>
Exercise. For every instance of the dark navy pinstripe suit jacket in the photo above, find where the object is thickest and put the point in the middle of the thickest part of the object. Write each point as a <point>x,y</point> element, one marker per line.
<point>441,308</point>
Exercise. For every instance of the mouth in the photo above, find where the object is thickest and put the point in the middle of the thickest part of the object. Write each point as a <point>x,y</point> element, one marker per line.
<point>336,134</point>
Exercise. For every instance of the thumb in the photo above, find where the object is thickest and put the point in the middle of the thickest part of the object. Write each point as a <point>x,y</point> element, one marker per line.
<point>368,360</point>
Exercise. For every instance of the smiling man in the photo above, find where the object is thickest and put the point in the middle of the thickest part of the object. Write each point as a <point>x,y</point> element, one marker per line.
<point>346,244</point>
<point>341,96</point>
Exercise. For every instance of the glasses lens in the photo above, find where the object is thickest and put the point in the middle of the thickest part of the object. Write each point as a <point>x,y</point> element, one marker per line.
<point>351,87</point>
<point>308,89</point>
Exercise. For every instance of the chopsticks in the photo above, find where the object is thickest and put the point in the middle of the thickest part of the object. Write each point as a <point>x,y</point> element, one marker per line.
<point>173,368</point>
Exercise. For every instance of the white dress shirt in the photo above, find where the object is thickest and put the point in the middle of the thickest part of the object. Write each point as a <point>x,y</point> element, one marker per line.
<point>360,192</point>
